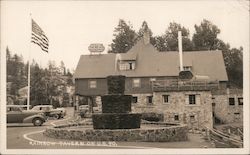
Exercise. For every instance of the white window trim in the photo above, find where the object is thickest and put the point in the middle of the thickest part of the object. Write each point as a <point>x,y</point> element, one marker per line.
<point>163,99</point>
<point>147,99</point>
<point>133,83</point>
<point>90,85</point>
<point>197,99</point>
<point>125,65</point>
<point>239,101</point>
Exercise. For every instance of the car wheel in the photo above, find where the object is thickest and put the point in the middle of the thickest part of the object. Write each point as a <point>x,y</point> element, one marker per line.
<point>37,121</point>
<point>56,116</point>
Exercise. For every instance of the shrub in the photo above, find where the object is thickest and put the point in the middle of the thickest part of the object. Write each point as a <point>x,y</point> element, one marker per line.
<point>116,84</point>
<point>155,117</point>
<point>116,121</point>
<point>116,103</point>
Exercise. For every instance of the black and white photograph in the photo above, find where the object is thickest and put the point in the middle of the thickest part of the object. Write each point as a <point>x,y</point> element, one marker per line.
<point>124,77</point>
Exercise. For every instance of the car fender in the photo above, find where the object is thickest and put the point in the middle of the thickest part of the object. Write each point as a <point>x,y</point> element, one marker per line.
<point>55,112</point>
<point>30,118</point>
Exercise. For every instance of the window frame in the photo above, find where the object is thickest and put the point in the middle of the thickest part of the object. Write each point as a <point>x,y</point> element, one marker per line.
<point>126,65</point>
<point>150,98</point>
<point>134,97</point>
<point>190,100</point>
<point>176,116</point>
<point>192,118</point>
<point>139,83</point>
<point>163,98</point>
<point>91,85</point>
<point>187,68</point>
<point>239,102</point>
<point>230,101</point>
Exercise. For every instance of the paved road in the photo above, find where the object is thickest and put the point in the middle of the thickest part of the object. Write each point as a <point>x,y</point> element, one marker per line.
<point>30,137</point>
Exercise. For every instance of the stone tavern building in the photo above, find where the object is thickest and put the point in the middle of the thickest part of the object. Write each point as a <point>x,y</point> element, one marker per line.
<point>152,78</point>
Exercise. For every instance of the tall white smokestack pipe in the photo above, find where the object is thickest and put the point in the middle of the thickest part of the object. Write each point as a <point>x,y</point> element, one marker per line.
<point>180,49</point>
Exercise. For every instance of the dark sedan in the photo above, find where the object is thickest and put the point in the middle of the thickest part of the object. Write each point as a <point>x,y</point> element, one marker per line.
<point>16,114</point>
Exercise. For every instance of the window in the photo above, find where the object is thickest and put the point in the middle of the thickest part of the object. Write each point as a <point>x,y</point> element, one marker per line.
<point>124,66</point>
<point>240,101</point>
<point>136,83</point>
<point>165,98</point>
<point>192,118</point>
<point>150,99</point>
<point>92,84</point>
<point>176,117</point>
<point>134,99</point>
<point>127,65</point>
<point>130,65</point>
<point>152,79</point>
<point>187,68</point>
<point>192,99</point>
<point>231,101</point>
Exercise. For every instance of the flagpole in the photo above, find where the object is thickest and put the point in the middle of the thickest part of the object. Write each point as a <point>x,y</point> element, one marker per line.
<point>28,93</point>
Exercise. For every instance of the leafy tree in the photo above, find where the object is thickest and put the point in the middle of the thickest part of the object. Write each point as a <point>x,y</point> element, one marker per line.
<point>15,72</point>
<point>125,38</point>
<point>171,38</point>
<point>46,85</point>
<point>55,83</point>
<point>62,68</point>
<point>205,36</point>
<point>37,85</point>
<point>233,58</point>
<point>160,43</point>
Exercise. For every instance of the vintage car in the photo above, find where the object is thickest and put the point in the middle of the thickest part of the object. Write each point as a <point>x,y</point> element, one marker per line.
<point>16,114</point>
<point>50,111</point>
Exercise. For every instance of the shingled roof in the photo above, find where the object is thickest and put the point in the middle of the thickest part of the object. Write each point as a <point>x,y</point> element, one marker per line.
<point>152,63</point>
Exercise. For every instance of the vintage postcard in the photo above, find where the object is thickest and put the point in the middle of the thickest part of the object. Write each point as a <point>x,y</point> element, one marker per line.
<point>124,77</point>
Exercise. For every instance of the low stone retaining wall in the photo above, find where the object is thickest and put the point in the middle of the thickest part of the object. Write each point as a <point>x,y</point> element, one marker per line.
<point>161,133</point>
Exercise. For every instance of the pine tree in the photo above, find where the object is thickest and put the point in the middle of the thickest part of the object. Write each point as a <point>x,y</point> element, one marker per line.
<point>125,38</point>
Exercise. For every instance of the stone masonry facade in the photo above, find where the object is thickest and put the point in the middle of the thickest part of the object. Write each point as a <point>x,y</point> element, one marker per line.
<point>229,111</point>
<point>199,115</point>
<point>177,109</point>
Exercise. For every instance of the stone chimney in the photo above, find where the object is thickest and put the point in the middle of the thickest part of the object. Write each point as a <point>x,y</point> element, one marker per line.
<point>146,37</point>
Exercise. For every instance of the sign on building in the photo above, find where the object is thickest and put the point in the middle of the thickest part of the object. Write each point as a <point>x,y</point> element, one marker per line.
<point>96,48</point>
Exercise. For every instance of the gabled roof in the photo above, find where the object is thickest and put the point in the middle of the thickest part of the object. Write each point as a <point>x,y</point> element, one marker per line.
<point>151,63</point>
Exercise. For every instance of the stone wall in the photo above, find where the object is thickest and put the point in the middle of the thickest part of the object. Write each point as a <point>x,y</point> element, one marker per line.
<point>197,116</point>
<point>225,112</point>
<point>161,133</point>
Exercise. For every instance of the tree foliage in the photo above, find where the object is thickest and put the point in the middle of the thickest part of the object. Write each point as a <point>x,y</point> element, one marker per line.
<point>145,28</point>
<point>47,85</point>
<point>16,72</point>
<point>205,37</point>
<point>171,37</point>
<point>125,38</point>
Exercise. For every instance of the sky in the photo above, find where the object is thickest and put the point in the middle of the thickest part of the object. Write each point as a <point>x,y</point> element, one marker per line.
<point>72,26</point>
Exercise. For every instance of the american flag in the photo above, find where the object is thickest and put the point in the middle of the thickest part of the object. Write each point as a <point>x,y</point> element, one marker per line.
<point>38,37</point>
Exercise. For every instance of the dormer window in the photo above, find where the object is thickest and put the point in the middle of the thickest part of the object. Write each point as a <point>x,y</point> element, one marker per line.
<point>127,65</point>
<point>187,68</point>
